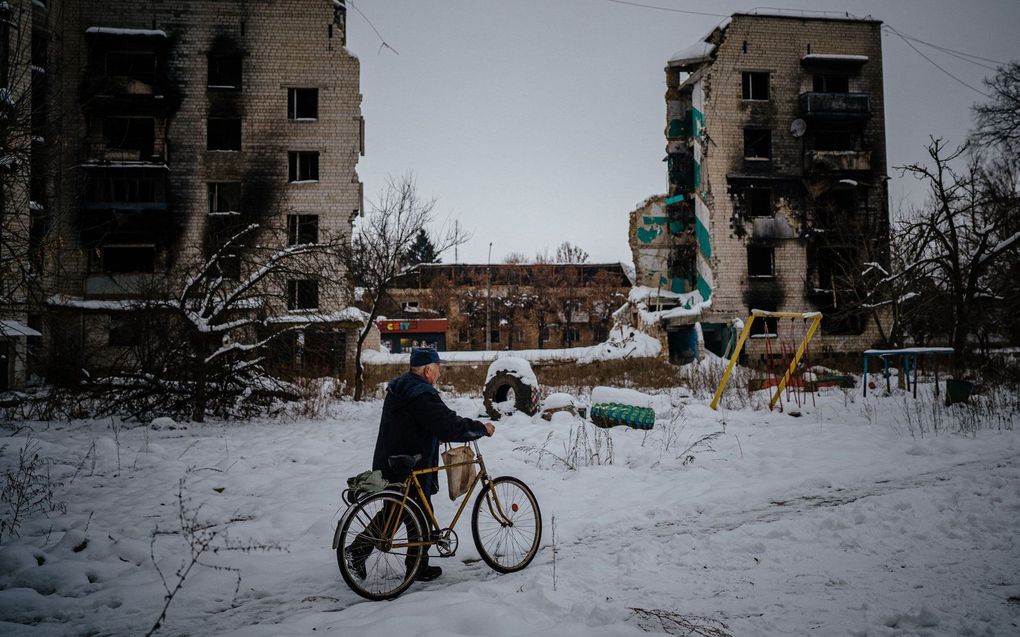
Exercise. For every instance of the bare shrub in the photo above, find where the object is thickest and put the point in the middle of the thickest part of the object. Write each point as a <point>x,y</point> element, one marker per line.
<point>586,445</point>
<point>27,488</point>
<point>675,623</point>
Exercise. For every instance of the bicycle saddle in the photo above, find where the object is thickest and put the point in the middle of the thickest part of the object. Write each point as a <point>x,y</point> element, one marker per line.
<point>404,462</point>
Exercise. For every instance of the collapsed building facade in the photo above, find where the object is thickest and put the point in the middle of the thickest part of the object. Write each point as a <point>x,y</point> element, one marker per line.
<point>775,148</point>
<point>159,132</point>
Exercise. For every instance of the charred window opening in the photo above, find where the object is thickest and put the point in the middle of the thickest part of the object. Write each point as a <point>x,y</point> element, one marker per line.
<point>303,165</point>
<point>757,143</point>
<point>755,86</point>
<point>225,70</point>
<point>761,261</point>
<point>128,258</point>
<point>40,48</point>
<point>225,198</point>
<point>303,103</point>
<point>40,104</point>
<point>758,202</point>
<point>224,133</point>
<point>324,351</point>
<point>132,138</point>
<point>302,294</point>
<point>124,189</point>
<point>302,229</point>
<point>680,167</point>
<point>836,209</point>
<point>229,266</point>
<point>5,47</point>
<point>125,331</point>
<point>835,140</point>
<point>133,65</point>
<point>765,325</point>
<point>831,83</point>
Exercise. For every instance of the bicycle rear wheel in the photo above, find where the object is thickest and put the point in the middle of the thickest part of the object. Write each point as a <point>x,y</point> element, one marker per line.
<point>507,528</point>
<point>373,562</point>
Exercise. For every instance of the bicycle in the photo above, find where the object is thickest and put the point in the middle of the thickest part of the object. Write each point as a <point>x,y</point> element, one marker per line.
<point>382,538</point>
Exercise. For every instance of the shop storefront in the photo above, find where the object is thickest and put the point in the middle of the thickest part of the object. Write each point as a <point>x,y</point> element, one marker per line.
<point>400,335</point>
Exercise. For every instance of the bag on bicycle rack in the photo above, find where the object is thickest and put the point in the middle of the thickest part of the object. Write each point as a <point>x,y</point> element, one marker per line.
<point>363,484</point>
<point>458,479</point>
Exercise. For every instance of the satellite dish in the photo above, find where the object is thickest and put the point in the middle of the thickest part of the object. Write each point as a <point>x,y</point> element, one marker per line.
<point>798,127</point>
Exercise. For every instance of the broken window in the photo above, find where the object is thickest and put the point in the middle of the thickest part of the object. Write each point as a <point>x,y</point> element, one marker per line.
<point>493,336</point>
<point>302,294</point>
<point>835,140</point>
<point>759,202</point>
<point>225,198</point>
<point>122,189</point>
<point>125,331</point>
<point>302,229</point>
<point>760,261</point>
<point>571,335</point>
<point>40,48</point>
<point>757,143</point>
<point>224,133</point>
<point>225,70</point>
<point>765,325</point>
<point>131,138</point>
<point>303,103</point>
<point>831,83</point>
<point>135,65</point>
<point>229,266</point>
<point>303,165</point>
<point>129,258</point>
<point>40,104</point>
<point>409,305</point>
<point>755,85</point>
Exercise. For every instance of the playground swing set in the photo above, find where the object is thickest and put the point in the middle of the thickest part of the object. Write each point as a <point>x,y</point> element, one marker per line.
<point>785,351</point>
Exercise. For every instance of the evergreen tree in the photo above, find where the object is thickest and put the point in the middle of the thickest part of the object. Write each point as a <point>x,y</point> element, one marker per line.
<point>421,250</point>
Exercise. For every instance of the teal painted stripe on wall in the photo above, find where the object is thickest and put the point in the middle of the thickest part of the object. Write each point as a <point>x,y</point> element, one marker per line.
<point>704,288</point>
<point>704,240</point>
<point>676,199</point>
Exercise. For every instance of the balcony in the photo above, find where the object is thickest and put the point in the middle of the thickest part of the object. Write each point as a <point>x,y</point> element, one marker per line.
<point>833,161</point>
<point>124,284</point>
<point>835,106</point>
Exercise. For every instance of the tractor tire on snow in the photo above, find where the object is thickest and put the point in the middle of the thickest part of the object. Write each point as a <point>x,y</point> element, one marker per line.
<point>498,389</point>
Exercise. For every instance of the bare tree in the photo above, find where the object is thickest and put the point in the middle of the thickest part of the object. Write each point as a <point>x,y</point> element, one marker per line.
<point>567,252</point>
<point>962,234</point>
<point>379,244</point>
<point>998,121</point>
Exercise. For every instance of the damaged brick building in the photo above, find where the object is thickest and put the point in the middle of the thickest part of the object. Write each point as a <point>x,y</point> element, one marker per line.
<point>775,142</point>
<point>162,130</point>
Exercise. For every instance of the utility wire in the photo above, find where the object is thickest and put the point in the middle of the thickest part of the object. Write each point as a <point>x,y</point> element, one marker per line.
<point>383,44</point>
<point>958,54</point>
<point>936,65</point>
<point>650,6</point>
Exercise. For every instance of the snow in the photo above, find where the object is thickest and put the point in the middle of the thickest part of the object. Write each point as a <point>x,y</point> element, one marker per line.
<point>10,328</point>
<point>558,400</point>
<point>158,33</point>
<point>837,522</point>
<point>515,366</point>
<point>346,315</point>
<point>621,396</point>
<point>1000,247</point>
<point>834,57</point>
<point>91,304</point>
<point>698,52</point>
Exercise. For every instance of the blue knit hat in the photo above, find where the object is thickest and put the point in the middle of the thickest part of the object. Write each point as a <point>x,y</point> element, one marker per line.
<point>421,356</point>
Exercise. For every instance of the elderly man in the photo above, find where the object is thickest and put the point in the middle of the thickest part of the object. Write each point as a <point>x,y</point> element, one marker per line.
<point>414,421</point>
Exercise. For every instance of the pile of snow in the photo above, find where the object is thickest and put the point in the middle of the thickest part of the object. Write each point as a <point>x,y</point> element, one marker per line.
<point>558,400</point>
<point>621,396</point>
<point>514,366</point>
<point>624,342</point>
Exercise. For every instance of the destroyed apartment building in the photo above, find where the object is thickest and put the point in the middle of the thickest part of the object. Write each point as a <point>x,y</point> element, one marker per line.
<point>167,142</point>
<point>775,148</point>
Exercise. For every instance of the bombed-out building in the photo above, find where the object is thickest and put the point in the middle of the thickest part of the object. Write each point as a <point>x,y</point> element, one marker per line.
<point>160,134</point>
<point>777,187</point>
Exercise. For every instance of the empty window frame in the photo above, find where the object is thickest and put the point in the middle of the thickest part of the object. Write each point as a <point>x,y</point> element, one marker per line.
<point>40,49</point>
<point>302,294</point>
<point>135,135</point>
<point>125,331</point>
<point>493,336</point>
<point>831,83</point>
<point>761,261</point>
<point>302,229</point>
<point>128,258</point>
<point>135,65</point>
<point>225,71</point>
<point>225,198</point>
<point>124,190</point>
<point>835,140</point>
<point>757,143</point>
<point>223,133</point>
<point>759,202</point>
<point>409,306</point>
<point>571,335</point>
<point>229,266</point>
<point>303,104</point>
<point>755,85</point>
<point>303,165</point>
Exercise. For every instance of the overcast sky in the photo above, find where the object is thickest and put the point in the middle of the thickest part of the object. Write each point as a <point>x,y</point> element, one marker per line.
<point>535,122</point>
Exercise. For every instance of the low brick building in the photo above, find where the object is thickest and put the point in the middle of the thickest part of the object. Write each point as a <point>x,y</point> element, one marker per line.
<point>524,306</point>
<point>775,142</point>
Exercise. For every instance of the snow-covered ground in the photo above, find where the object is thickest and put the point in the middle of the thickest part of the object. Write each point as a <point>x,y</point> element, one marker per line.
<point>837,522</point>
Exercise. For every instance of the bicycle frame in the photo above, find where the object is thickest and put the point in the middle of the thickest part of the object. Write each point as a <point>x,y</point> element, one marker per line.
<point>393,520</point>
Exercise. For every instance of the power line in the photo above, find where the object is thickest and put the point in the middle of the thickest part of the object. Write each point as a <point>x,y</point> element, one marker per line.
<point>650,6</point>
<point>935,64</point>
<point>379,35</point>
<point>946,49</point>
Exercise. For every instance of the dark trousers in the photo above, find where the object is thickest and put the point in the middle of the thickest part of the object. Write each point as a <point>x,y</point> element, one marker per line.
<point>361,547</point>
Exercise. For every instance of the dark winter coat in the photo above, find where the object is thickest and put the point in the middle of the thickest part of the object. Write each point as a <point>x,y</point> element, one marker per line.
<point>414,420</point>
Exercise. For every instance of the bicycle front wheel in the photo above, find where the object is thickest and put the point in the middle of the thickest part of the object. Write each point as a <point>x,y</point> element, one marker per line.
<point>372,553</point>
<point>506,524</point>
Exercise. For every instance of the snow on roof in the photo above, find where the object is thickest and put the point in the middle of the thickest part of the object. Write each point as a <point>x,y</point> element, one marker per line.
<point>805,14</point>
<point>515,366</point>
<point>123,164</point>
<point>698,52</point>
<point>91,304</point>
<point>834,57</point>
<point>10,327</point>
<point>155,33</point>
<point>348,314</point>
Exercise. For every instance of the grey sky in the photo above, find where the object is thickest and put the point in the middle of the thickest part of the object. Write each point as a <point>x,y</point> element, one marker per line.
<point>540,121</point>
